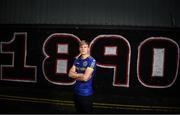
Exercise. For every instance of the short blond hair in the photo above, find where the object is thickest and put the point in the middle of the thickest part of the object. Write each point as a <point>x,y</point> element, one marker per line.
<point>83,42</point>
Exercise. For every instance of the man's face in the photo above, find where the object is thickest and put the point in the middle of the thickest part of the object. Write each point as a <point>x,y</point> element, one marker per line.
<point>84,49</point>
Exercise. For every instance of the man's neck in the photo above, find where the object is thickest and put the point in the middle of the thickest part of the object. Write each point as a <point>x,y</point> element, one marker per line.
<point>84,56</point>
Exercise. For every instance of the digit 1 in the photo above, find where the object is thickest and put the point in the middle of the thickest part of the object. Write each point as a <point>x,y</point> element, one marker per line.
<point>15,67</point>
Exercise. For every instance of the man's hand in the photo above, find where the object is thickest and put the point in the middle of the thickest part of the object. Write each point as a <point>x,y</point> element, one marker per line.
<point>87,75</point>
<point>73,73</point>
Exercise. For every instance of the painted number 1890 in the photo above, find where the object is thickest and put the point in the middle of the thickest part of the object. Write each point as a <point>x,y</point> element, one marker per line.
<point>157,60</point>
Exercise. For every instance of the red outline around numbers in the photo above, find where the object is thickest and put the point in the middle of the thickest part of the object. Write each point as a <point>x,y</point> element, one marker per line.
<point>13,54</point>
<point>114,66</point>
<point>139,58</point>
<point>47,56</point>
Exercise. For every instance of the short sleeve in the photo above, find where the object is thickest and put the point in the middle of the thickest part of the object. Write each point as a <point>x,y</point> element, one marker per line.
<point>75,62</point>
<point>92,64</point>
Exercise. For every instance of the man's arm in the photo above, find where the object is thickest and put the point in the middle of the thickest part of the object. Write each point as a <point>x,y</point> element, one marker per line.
<point>87,75</point>
<point>73,73</point>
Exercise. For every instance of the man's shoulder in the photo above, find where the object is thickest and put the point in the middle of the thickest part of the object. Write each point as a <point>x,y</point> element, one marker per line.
<point>78,57</point>
<point>91,58</point>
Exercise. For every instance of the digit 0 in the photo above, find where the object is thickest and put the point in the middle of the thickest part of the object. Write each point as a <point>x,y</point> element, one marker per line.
<point>158,62</point>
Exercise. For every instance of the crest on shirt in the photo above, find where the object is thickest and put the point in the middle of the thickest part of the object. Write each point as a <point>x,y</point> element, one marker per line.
<point>85,63</point>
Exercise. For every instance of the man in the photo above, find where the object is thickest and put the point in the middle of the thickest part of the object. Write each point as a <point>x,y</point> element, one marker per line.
<point>83,71</point>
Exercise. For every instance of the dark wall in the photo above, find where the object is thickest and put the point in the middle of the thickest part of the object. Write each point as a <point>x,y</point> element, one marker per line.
<point>34,49</point>
<point>151,13</point>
